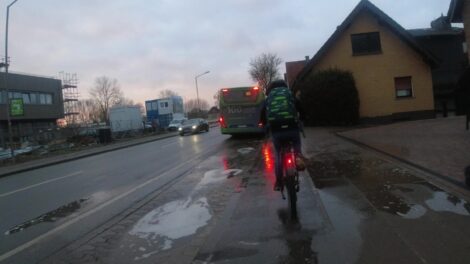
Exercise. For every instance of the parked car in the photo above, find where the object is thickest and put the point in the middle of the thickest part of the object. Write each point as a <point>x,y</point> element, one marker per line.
<point>193,126</point>
<point>174,124</point>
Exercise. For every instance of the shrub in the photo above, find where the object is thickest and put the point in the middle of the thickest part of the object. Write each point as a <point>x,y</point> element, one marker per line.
<point>330,97</point>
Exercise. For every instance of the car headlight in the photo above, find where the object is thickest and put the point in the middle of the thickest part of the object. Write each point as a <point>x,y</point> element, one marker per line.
<point>194,127</point>
<point>180,128</point>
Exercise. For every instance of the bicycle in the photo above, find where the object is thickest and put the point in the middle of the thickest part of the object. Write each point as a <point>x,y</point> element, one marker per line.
<point>290,177</point>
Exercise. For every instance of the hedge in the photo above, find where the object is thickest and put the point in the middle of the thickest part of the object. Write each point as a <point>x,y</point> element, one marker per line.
<point>330,97</point>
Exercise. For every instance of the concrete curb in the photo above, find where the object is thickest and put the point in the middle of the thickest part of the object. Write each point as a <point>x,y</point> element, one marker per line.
<point>440,176</point>
<point>75,156</point>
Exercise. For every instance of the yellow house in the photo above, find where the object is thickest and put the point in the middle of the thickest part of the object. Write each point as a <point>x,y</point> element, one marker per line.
<point>392,71</point>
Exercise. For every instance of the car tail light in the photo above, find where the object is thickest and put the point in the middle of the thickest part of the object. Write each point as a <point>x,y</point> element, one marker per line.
<point>256,88</point>
<point>222,122</point>
<point>260,124</point>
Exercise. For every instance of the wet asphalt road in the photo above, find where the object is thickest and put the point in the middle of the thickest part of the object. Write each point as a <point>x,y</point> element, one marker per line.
<point>36,202</point>
<point>208,198</point>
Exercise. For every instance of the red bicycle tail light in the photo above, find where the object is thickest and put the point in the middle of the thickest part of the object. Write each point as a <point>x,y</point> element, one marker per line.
<point>289,160</point>
<point>260,124</point>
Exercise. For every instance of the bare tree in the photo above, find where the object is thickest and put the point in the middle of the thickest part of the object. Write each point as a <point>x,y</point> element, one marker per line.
<point>141,108</point>
<point>265,69</point>
<point>192,105</point>
<point>106,93</point>
<point>89,111</point>
<point>167,93</point>
<point>129,102</point>
<point>123,101</point>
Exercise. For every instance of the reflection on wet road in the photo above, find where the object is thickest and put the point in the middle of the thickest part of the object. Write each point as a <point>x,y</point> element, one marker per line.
<point>359,208</point>
<point>386,207</point>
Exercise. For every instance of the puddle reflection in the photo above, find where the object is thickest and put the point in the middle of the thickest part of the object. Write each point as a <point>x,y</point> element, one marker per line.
<point>297,239</point>
<point>389,188</point>
<point>444,202</point>
<point>172,221</point>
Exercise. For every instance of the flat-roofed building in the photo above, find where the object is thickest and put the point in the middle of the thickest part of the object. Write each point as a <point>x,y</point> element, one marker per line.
<point>43,105</point>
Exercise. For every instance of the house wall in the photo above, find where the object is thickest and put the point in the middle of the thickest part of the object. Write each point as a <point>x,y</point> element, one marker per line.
<point>374,74</point>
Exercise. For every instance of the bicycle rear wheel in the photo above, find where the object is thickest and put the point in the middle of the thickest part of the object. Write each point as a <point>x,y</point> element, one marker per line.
<point>291,192</point>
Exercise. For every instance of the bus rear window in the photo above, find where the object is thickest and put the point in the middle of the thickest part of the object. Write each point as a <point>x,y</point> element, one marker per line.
<point>240,95</point>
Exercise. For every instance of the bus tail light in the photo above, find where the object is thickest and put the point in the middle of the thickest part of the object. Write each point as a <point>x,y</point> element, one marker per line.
<point>222,122</point>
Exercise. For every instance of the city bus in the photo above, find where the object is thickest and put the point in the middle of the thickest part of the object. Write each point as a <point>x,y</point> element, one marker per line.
<point>240,110</point>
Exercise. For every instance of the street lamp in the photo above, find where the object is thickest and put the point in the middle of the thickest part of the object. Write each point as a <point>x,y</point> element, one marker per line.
<point>10,133</point>
<point>197,90</point>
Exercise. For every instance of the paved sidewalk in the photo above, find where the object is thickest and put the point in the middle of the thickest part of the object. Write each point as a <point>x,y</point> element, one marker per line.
<point>39,163</point>
<point>440,146</point>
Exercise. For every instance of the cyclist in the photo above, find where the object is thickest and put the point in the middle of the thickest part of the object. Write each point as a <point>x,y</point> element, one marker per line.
<point>282,111</point>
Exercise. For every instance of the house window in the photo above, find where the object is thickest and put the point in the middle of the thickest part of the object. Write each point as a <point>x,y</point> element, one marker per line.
<point>366,43</point>
<point>33,98</point>
<point>49,99</point>
<point>26,98</point>
<point>403,87</point>
<point>42,98</point>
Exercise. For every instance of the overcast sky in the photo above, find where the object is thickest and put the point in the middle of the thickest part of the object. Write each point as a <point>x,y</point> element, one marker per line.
<point>149,45</point>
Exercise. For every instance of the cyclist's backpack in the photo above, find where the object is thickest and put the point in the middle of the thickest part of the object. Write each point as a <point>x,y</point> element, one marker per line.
<point>280,109</point>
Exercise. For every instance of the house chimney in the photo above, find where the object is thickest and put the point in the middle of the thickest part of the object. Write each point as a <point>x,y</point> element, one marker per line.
<point>307,58</point>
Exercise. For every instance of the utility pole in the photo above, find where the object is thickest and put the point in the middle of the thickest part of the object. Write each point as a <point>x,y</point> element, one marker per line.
<point>197,90</point>
<point>7,97</point>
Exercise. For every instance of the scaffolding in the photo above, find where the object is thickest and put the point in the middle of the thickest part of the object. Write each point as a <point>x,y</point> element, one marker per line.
<point>71,95</point>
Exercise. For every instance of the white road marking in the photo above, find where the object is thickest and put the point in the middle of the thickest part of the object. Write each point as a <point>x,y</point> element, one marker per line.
<point>41,183</point>
<point>56,179</point>
<point>86,214</point>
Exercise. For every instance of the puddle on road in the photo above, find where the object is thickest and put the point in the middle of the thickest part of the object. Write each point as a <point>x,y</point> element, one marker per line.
<point>181,218</point>
<point>51,216</point>
<point>217,175</point>
<point>444,202</point>
<point>244,151</point>
<point>174,220</point>
<point>343,233</point>
<point>389,188</point>
<point>414,212</point>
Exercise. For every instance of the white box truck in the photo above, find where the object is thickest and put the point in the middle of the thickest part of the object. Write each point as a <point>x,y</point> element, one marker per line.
<point>125,118</point>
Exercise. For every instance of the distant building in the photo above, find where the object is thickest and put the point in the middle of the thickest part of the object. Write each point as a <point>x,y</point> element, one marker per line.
<point>43,105</point>
<point>293,68</point>
<point>446,43</point>
<point>459,12</point>
<point>213,114</point>
<point>393,72</point>
<point>162,111</point>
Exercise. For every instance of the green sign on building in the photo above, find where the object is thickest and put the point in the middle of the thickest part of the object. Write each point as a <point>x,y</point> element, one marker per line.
<point>16,107</point>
